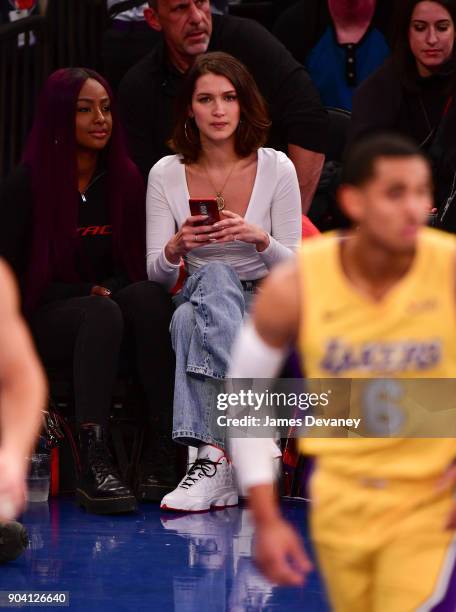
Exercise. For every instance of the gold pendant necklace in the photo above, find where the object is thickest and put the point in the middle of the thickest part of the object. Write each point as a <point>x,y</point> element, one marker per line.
<point>219,198</point>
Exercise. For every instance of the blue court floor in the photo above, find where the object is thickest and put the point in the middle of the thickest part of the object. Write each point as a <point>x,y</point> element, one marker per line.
<point>152,561</point>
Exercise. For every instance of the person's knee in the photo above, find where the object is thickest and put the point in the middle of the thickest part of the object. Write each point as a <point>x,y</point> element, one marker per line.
<point>104,313</point>
<point>146,297</point>
<point>220,273</point>
<point>144,289</point>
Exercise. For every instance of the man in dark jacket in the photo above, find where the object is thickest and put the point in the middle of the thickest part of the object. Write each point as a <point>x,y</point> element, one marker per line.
<point>148,90</point>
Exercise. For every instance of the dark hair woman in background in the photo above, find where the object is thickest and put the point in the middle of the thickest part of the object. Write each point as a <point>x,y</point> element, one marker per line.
<point>414,93</point>
<point>73,228</point>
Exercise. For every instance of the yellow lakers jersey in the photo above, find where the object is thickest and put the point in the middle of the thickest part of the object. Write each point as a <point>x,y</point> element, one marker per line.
<point>408,334</point>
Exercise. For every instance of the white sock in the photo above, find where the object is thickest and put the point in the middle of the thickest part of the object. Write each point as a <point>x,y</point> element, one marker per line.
<point>208,451</point>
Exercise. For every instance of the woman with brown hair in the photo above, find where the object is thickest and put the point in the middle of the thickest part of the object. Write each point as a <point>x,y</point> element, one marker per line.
<point>221,125</point>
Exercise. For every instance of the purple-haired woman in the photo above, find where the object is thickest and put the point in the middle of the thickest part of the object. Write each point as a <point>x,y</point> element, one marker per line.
<point>73,229</point>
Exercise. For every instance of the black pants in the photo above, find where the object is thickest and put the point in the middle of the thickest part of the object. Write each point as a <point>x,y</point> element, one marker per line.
<point>88,333</point>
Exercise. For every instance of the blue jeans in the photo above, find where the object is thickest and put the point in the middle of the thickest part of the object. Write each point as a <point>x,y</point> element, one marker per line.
<point>211,308</point>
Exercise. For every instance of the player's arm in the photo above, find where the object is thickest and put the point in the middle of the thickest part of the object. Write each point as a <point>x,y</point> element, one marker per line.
<point>22,397</point>
<point>259,351</point>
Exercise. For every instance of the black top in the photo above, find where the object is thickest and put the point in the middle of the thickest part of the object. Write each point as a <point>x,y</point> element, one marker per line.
<point>383,103</point>
<point>301,26</point>
<point>95,263</point>
<point>147,92</point>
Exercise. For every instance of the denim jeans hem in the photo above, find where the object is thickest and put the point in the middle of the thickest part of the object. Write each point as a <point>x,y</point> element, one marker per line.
<point>203,370</point>
<point>190,438</point>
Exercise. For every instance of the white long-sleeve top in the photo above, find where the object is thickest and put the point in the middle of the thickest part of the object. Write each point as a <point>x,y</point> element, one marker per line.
<point>275,206</point>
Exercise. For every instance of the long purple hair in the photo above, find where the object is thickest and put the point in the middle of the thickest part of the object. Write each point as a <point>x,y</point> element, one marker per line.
<point>50,154</point>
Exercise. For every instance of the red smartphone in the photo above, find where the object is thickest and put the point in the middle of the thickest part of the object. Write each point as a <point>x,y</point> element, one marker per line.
<point>205,206</point>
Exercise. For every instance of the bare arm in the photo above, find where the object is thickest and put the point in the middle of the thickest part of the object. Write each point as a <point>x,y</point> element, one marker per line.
<point>279,552</point>
<point>277,310</point>
<point>22,396</point>
<point>308,166</point>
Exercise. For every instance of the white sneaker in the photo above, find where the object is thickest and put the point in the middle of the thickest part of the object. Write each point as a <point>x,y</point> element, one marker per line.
<point>207,484</point>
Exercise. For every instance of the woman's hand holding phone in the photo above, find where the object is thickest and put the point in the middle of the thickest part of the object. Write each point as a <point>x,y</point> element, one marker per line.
<point>196,232</point>
<point>234,227</point>
<point>191,235</point>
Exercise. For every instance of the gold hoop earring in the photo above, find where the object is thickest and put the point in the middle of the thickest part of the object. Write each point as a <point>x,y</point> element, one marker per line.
<point>186,132</point>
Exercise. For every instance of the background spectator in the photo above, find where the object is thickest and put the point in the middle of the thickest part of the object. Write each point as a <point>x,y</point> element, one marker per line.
<point>340,42</point>
<point>73,229</point>
<point>148,90</point>
<point>413,93</point>
<point>127,39</point>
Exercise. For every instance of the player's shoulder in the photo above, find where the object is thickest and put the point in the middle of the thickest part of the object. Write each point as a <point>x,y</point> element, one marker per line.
<point>437,251</point>
<point>282,282</point>
<point>438,240</point>
<point>320,243</point>
<point>278,305</point>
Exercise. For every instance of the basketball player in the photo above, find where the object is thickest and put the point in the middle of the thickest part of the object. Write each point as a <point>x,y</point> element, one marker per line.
<point>22,398</point>
<point>378,301</point>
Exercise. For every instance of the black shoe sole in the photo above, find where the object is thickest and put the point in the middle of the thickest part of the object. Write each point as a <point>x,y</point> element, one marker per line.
<point>106,505</point>
<point>153,493</point>
<point>13,541</point>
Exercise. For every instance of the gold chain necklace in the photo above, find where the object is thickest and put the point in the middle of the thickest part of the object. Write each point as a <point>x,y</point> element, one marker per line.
<point>219,192</point>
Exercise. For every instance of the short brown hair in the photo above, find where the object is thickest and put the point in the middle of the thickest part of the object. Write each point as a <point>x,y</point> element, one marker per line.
<point>253,128</point>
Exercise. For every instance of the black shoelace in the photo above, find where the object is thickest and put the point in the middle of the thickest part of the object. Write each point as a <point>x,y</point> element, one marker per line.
<point>201,467</point>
